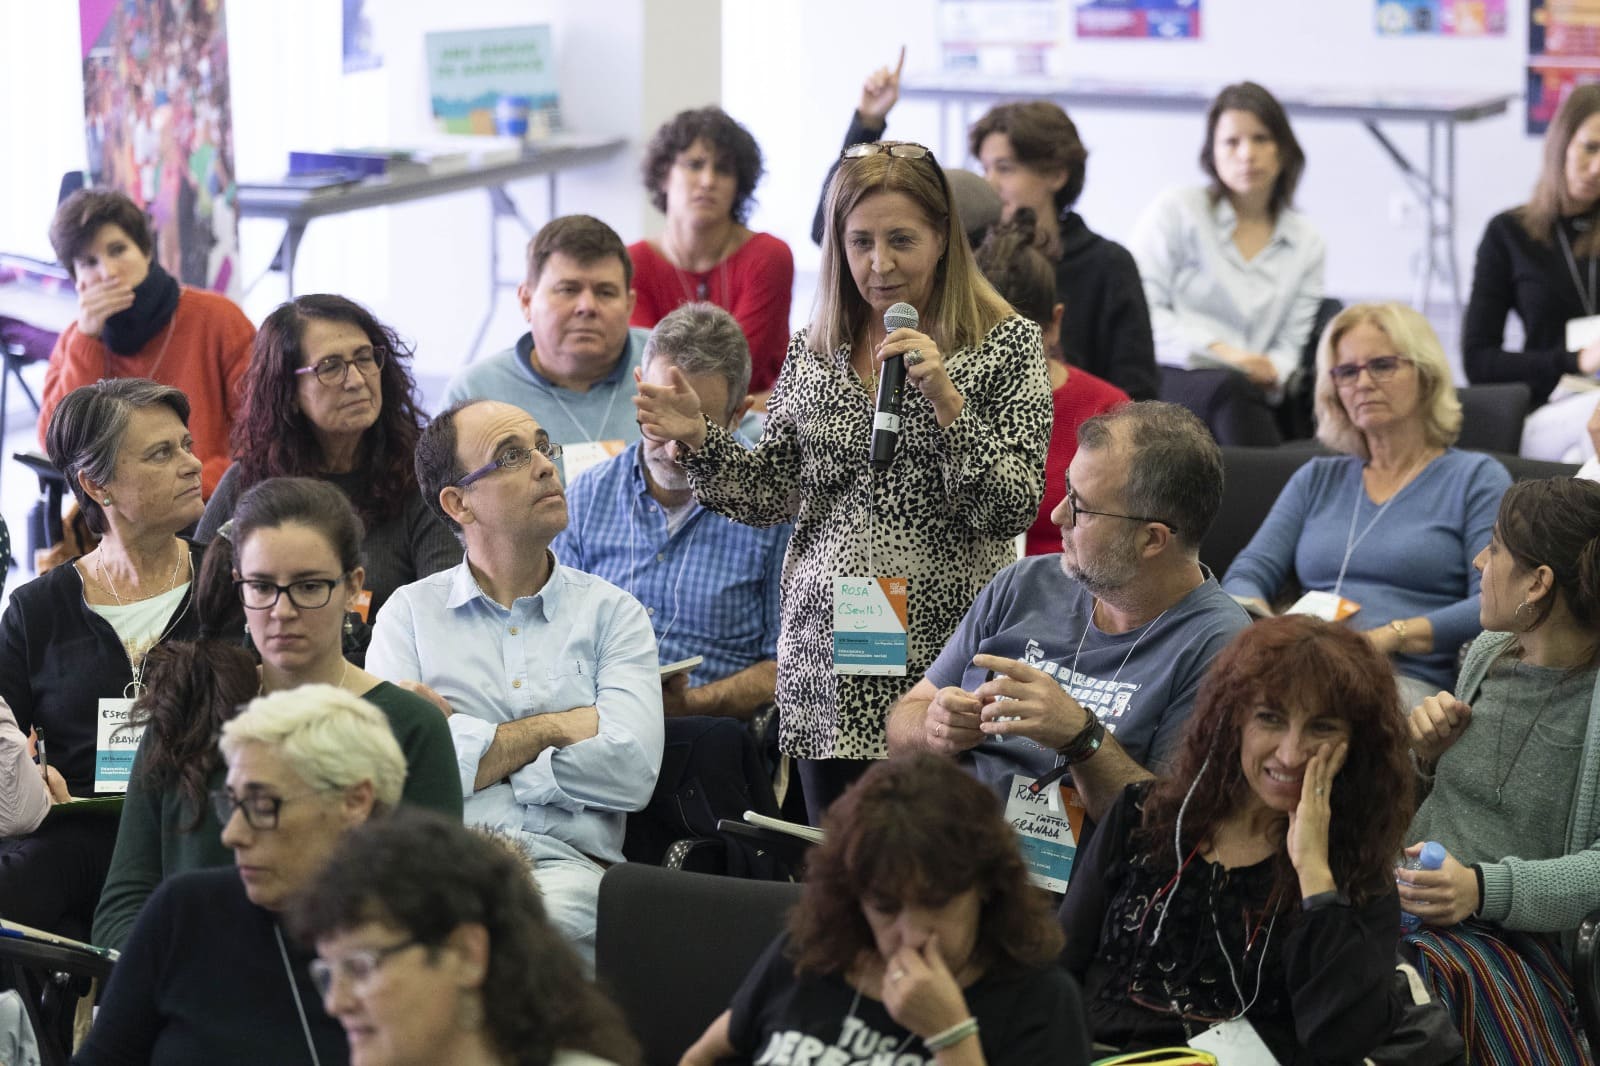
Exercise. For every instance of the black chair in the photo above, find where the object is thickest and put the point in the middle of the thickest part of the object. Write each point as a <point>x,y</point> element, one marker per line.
<point>1523,469</point>
<point>1492,416</point>
<point>711,769</point>
<point>1252,480</point>
<point>44,518</point>
<point>51,979</point>
<point>1296,419</point>
<point>671,947</point>
<point>1586,976</point>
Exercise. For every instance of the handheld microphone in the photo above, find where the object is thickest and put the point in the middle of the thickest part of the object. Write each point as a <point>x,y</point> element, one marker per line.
<point>891,384</point>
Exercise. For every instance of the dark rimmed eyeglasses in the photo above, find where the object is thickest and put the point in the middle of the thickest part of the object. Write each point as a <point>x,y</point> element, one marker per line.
<point>1072,505</point>
<point>307,594</point>
<point>1382,369</point>
<point>333,370</point>
<point>893,149</point>
<point>513,458</point>
<point>260,809</point>
<point>357,967</point>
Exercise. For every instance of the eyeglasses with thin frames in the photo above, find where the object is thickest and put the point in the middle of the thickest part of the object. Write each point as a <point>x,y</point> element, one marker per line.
<point>260,810</point>
<point>513,458</point>
<point>307,594</point>
<point>333,370</point>
<point>893,149</point>
<point>357,967</point>
<point>1072,504</point>
<point>1382,368</point>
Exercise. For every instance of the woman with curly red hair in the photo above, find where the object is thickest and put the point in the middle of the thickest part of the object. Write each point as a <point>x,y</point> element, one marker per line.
<point>918,939</point>
<point>1257,881</point>
<point>329,395</point>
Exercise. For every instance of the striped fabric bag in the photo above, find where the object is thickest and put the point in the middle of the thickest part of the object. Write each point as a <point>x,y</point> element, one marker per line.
<point>1509,993</point>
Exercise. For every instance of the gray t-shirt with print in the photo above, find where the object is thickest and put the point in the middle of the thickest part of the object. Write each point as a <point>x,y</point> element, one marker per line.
<point>1141,684</point>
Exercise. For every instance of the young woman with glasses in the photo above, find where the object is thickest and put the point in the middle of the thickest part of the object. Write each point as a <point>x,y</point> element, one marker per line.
<point>1394,522</point>
<point>290,565</point>
<point>329,395</point>
<point>965,479</point>
<point>208,973</point>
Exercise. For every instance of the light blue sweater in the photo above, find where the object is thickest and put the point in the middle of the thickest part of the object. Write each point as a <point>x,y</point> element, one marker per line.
<point>1414,561</point>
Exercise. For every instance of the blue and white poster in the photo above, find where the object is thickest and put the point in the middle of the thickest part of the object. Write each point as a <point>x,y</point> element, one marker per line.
<point>1170,20</point>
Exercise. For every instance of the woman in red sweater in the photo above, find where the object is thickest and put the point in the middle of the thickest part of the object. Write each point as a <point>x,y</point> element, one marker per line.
<point>135,321</point>
<point>1012,261</point>
<point>700,170</point>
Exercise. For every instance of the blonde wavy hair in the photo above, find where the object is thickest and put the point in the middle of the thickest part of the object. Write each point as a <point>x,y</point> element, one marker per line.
<point>1415,342</point>
<point>963,307</point>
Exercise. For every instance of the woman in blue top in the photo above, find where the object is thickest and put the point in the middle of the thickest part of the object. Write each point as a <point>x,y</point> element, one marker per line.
<point>1393,524</point>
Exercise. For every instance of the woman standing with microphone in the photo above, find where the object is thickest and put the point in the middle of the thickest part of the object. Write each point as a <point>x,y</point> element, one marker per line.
<point>882,564</point>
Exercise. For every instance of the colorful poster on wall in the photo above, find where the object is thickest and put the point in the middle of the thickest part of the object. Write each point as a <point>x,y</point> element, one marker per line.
<point>156,110</point>
<point>998,36</point>
<point>485,81</point>
<point>360,50</point>
<point>1441,18</point>
<point>1171,20</point>
<point>1563,53</point>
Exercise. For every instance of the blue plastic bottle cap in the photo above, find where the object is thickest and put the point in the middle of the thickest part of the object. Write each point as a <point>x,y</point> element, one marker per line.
<point>1432,855</point>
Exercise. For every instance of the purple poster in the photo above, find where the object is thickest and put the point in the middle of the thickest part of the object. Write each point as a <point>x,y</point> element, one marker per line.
<point>1173,20</point>
<point>156,110</point>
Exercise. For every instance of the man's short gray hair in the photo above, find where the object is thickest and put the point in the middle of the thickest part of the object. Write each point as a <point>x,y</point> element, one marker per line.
<point>702,338</point>
<point>330,737</point>
<point>1174,464</point>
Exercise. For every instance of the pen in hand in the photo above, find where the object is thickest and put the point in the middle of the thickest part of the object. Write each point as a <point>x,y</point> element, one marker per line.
<point>44,757</point>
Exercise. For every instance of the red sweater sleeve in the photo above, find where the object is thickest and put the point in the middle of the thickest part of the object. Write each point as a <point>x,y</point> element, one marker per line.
<point>762,284</point>
<point>1080,399</point>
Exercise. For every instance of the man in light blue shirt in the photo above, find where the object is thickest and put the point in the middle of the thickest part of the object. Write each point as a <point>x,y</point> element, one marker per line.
<point>709,584</point>
<point>549,674</point>
<point>574,370</point>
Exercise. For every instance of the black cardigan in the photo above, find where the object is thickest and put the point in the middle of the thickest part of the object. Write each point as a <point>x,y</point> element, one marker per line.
<point>58,658</point>
<point>1514,272</point>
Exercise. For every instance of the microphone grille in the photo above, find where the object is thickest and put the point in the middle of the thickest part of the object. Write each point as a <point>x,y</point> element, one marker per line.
<point>900,315</point>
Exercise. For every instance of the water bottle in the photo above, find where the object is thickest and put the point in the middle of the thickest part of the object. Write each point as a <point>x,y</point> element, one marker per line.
<point>1431,857</point>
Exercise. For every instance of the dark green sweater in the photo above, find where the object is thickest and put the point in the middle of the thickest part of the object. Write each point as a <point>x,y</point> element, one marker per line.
<point>152,842</point>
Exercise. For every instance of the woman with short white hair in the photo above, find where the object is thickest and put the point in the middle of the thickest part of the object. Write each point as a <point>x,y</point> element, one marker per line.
<point>208,974</point>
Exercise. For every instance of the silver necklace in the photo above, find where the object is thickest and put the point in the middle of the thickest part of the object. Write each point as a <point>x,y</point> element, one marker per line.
<point>106,583</point>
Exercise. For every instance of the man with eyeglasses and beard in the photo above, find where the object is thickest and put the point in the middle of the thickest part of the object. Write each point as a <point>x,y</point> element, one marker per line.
<point>549,675</point>
<point>1090,660</point>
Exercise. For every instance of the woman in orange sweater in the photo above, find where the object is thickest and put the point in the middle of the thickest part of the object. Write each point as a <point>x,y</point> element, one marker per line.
<point>135,321</point>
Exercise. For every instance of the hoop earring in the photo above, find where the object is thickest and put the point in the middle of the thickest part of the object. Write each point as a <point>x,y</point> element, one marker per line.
<point>1518,615</point>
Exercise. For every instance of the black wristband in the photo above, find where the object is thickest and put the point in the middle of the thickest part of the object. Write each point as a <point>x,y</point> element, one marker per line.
<point>1477,912</point>
<point>1324,899</point>
<point>1086,743</point>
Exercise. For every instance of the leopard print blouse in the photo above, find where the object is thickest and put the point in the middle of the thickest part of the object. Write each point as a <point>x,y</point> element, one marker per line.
<point>944,514</point>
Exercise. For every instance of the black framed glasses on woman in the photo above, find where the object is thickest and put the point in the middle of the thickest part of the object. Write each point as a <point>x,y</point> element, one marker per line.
<point>308,593</point>
<point>1382,368</point>
<point>333,370</point>
<point>260,809</point>
<point>513,458</point>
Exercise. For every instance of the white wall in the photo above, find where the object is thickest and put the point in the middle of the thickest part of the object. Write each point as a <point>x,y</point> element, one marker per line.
<point>790,70</point>
<point>624,66</point>
<point>793,69</point>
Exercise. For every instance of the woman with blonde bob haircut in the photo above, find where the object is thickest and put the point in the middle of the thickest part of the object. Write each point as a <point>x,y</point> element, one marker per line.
<point>208,974</point>
<point>1413,339</point>
<point>966,476</point>
<point>1392,525</point>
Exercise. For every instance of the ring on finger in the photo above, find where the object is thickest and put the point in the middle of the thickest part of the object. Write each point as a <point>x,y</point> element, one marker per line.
<point>915,358</point>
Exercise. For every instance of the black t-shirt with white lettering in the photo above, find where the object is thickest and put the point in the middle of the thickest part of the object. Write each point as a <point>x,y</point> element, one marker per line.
<point>782,1019</point>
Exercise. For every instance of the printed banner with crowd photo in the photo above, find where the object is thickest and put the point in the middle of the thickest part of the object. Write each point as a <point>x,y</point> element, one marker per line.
<point>1563,53</point>
<point>156,109</point>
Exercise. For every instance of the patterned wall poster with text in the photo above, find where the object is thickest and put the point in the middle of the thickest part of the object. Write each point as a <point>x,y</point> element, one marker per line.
<point>1563,53</point>
<point>157,119</point>
<point>1171,20</point>
<point>1441,18</point>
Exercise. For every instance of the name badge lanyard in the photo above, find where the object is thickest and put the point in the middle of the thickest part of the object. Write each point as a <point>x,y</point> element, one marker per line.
<point>605,420</point>
<point>1587,296</point>
<point>135,686</point>
<point>1351,541</point>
